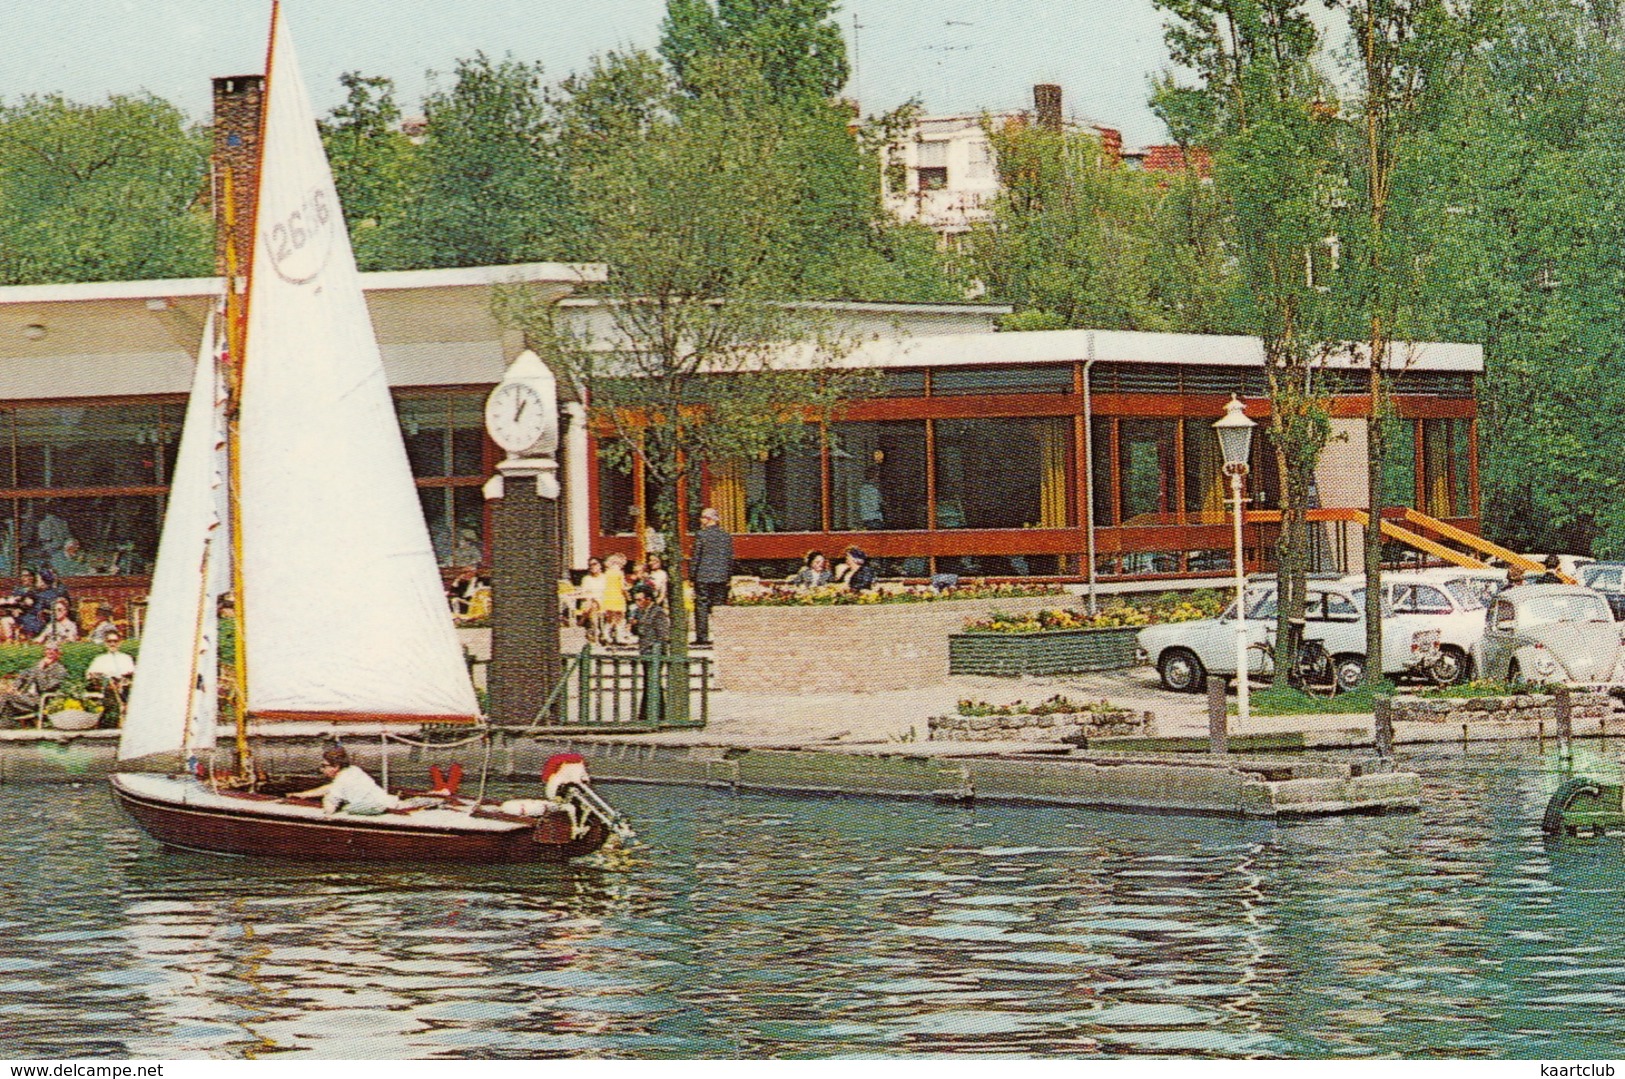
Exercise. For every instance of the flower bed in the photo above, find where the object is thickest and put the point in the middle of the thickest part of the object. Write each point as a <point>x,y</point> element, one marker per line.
<point>1061,640</point>
<point>1057,719</point>
<point>839,595</point>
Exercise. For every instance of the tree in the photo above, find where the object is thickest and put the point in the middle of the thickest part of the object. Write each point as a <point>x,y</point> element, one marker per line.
<point>1073,235</point>
<point>375,167</point>
<point>490,188</point>
<point>109,192</point>
<point>1408,56</point>
<point>796,44</point>
<point>1268,113</point>
<point>692,212</point>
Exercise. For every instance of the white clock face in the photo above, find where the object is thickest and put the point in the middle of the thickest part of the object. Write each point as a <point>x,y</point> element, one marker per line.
<point>515,416</point>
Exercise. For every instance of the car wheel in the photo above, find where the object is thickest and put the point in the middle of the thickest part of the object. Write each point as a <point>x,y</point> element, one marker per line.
<point>1181,671</point>
<point>1348,672</point>
<point>1451,668</point>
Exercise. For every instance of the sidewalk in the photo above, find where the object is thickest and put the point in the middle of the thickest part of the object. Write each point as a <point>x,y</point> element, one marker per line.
<point>783,719</point>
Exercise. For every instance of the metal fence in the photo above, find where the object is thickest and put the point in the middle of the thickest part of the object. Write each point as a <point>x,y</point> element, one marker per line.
<point>629,693</point>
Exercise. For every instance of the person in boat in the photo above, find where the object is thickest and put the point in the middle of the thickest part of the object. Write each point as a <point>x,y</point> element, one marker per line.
<point>61,628</point>
<point>20,694</point>
<point>348,788</point>
<point>111,672</point>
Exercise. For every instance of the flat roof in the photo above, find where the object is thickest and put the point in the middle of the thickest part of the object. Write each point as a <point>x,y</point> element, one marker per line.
<point>1126,346</point>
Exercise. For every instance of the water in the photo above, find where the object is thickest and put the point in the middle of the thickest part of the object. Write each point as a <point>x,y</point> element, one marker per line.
<point>764,926</point>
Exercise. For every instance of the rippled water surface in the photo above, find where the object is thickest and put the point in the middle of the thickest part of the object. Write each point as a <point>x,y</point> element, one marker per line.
<point>760,926</point>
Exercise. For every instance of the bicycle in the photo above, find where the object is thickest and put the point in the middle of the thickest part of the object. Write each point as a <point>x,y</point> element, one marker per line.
<point>1312,671</point>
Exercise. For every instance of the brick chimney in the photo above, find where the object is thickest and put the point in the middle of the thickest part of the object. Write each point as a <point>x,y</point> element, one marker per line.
<point>239,101</point>
<point>1047,103</point>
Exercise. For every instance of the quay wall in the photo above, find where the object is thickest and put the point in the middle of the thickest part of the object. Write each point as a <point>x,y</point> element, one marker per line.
<point>847,649</point>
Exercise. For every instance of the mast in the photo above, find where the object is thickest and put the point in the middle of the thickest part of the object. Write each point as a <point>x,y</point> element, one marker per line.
<point>238,298</point>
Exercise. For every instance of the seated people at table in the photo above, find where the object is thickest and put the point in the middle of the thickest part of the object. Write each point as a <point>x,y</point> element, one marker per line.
<point>348,787</point>
<point>460,593</point>
<point>814,572</point>
<point>70,560</point>
<point>104,625</point>
<point>111,672</point>
<point>61,628</point>
<point>20,693</point>
<point>855,571</point>
<point>30,616</point>
<point>50,590</point>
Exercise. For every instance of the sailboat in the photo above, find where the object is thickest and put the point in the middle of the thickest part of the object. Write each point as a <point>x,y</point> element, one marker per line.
<point>292,489</point>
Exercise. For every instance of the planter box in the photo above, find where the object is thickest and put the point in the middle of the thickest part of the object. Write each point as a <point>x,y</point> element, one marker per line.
<point>1055,651</point>
<point>1074,727</point>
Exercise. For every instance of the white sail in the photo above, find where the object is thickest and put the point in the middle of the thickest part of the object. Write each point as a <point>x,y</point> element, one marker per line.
<point>342,608</point>
<point>172,707</point>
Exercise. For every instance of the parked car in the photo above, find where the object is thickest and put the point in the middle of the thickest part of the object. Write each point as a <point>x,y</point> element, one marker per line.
<point>1570,564</point>
<point>1549,633</point>
<point>1186,653</point>
<point>1608,578</point>
<point>1454,599</point>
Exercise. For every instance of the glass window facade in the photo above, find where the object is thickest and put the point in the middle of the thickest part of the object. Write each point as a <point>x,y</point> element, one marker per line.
<point>444,435</point>
<point>1147,466</point>
<point>1003,472</point>
<point>1445,480</point>
<point>877,476</point>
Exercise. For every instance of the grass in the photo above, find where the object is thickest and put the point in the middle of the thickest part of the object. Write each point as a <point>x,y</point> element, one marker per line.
<point>1283,700</point>
<point>1484,689</point>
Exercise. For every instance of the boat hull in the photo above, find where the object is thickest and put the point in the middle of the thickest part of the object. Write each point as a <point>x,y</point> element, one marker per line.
<point>182,813</point>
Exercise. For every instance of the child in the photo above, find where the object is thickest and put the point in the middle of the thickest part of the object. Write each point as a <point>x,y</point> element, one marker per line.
<point>615,599</point>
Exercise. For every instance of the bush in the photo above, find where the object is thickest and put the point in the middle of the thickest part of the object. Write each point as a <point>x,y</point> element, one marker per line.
<point>1283,700</point>
<point>1485,689</point>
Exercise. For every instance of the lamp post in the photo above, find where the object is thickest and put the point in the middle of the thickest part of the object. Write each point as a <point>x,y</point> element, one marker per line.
<point>1235,433</point>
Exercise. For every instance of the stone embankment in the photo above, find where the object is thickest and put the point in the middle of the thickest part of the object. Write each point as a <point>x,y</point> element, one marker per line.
<point>1515,708</point>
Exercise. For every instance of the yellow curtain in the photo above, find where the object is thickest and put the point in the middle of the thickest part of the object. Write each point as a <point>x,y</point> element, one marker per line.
<point>728,494</point>
<point>1436,467</point>
<point>1052,464</point>
<point>1207,471</point>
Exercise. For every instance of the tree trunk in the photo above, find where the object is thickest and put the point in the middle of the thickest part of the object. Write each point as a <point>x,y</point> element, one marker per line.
<point>1373,531</point>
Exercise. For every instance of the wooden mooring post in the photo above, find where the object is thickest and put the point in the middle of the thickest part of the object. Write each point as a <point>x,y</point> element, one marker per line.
<point>1218,722</point>
<point>1564,707</point>
<point>1382,733</point>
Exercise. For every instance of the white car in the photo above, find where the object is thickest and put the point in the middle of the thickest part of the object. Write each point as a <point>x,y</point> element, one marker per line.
<point>1185,653</point>
<point>1454,599</point>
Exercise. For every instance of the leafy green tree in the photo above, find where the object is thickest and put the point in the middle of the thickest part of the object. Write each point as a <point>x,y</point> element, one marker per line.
<point>375,167</point>
<point>490,187</point>
<point>692,214</point>
<point>108,192</point>
<point>1408,56</point>
<point>795,43</point>
<point>1264,107</point>
<point>1070,234</point>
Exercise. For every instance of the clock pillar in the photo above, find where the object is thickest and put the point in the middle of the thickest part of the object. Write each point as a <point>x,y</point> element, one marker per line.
<point>521,415</point>
<point>524,595</point>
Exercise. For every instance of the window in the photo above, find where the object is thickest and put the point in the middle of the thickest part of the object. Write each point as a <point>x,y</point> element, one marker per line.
<point>445,444</point>
<point>1051,378</point>
<point>877,475</point>
<point>1148,467</point>
<point>1445,491</point>
<point>1002,472</point>
<point>780,492</point>
<point>1420,599</point>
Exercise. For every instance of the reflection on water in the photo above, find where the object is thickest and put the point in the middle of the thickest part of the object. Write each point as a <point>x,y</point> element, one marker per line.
<point>763,926</point>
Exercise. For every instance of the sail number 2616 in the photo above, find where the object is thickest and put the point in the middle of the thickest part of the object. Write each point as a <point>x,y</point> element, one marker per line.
<point>287,240</point>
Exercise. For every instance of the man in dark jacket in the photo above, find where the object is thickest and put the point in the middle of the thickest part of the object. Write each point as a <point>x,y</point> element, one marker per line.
<point>710,568</point>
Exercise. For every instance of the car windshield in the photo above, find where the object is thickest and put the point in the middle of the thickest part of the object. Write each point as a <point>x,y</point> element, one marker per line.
<point>1602,578</point>
<point>1544,610</point>
<point>1471,593</point>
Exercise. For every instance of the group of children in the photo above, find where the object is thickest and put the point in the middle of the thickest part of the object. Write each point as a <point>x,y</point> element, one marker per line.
<point>604,596</point>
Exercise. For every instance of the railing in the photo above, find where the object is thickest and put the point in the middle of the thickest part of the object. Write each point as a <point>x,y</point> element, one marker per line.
<point>629,693</point>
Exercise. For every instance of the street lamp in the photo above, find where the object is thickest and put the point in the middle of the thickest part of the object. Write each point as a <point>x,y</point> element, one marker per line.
<point>1235,433</point>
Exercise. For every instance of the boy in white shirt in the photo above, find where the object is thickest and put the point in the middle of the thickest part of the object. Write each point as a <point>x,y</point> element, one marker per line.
<point>348,787</point>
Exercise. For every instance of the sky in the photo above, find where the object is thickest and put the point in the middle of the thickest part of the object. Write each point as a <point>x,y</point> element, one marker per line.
<point>954,55</point>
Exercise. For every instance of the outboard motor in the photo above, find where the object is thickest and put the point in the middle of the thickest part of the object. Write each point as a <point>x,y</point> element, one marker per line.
<point>565,779</point>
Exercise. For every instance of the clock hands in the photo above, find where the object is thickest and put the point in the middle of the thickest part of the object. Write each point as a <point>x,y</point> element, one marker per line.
<point>520,411</point>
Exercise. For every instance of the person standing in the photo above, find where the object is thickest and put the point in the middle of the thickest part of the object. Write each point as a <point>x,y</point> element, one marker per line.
<point>710,568</point>
<point>652,624</point>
